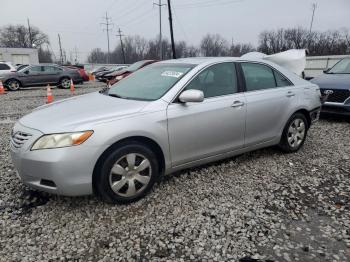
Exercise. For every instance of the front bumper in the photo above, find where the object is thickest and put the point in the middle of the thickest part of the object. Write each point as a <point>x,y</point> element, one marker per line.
<point>336,109</point>
<point>64,171</point>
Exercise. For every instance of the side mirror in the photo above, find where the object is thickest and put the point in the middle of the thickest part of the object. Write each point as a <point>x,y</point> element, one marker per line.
<point>326,70</point>
<point>26,72</point>
<point>191,95</point>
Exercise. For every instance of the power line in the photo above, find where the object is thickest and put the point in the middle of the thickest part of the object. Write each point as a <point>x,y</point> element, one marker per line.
<point>160,5</point>
<point>107,28</point>
<point>207,4</point>
<point>121,44</point>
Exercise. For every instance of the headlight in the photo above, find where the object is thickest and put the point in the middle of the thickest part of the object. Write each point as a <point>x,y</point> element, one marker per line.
<point>61,140</point>
<point>119,77</point>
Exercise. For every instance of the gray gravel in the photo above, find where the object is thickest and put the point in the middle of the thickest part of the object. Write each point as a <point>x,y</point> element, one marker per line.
<point>261,206</point>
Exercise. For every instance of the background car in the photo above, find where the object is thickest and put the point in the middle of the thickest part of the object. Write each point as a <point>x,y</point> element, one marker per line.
<point>101,76</point>
<point>6,67</point>
<point>119,75</point>
<point>80,70</point>
<point>99,69</point>
<point>336,79</point>
<point>38,75</point>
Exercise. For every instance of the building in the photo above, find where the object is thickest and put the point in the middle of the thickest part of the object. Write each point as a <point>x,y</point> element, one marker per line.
<point>19,55</point>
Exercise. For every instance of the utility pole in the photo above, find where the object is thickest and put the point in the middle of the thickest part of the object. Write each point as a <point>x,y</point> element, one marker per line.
<point>30,34</point>
<point>121,44</point>
<point>108,24</point>
<point>160,28</point>
<point>314,6</point>
<point>60,45</point>
<point>76,55</point>
<point>171,30</point>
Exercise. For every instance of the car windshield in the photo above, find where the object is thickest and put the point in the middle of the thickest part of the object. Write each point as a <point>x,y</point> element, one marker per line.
<point>342,67</point>
<point>150,83</point>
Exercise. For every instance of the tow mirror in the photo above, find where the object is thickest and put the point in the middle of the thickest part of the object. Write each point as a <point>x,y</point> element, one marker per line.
<point>191,95</point>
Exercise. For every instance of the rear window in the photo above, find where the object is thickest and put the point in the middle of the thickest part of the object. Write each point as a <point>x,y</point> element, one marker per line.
<point>4,67</point>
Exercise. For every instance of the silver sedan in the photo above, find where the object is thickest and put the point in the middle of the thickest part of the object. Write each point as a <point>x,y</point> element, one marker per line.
<point>166,117</point>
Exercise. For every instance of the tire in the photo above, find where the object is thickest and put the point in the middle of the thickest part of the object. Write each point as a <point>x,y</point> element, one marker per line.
<point>13,85</point>
<point>118,180</point>
<point>294,133</point>
<point>65,83</point>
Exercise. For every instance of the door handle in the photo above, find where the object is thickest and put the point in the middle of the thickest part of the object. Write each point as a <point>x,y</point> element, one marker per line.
<point>290,94</point>
<point>237,104</point>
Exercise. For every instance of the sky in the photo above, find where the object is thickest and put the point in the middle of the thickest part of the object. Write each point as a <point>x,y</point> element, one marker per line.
<point>79,21</point>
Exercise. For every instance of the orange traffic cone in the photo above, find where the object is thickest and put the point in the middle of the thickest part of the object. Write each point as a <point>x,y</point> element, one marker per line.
<point>72,89</point>
<point>49,95</point>
<point>2,89</point>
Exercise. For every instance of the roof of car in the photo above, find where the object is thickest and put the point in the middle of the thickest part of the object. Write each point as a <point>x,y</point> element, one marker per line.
<point>201,60</point>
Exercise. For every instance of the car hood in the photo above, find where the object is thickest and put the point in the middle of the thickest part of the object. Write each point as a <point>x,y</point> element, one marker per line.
<point>80,112</point>
<point>332,81</point>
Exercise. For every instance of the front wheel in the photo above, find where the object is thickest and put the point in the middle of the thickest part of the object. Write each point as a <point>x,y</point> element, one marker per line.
<point>127,174</point>
<point>294,133</point>
<point>65,83</point>
<point>13,85</point>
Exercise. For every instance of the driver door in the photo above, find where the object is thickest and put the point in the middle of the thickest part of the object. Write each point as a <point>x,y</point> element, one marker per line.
<point>31,76</point>
<point>212,127</point>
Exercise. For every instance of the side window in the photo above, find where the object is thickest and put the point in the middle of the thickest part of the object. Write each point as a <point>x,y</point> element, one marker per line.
<point>281,80</point>
<point>35,69</point>
<point>258,77</point>
<point>217,80</point>
<point>4,67</point>
<point>50,69</point>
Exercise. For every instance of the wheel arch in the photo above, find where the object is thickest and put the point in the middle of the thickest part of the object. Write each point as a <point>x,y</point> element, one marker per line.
<point>13,78</point>
<point>153,145</point>
<point>306,113</point>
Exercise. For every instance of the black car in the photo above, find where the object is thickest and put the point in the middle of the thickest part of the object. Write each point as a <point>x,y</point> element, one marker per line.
<point>39,75</point>
<point>337,80</point>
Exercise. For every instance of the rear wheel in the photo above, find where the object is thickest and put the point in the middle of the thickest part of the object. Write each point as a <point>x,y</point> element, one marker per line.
<point>65,83</point>
<point>127,174</point>
<point>294,133</point>
<point>13,85</point>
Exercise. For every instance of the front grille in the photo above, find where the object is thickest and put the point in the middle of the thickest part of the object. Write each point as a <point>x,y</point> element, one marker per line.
<point>19,138</point>
<point>338,96</point>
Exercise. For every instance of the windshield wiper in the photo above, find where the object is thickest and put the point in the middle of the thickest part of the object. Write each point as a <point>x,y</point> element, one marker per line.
<point>104,90</point>
<point>117,96</point>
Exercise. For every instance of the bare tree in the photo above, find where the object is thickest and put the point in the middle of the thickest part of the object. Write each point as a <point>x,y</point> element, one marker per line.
<point>18,36</point>
<point>318,43</point>
<point>97,56</point>
<point>214,45</point>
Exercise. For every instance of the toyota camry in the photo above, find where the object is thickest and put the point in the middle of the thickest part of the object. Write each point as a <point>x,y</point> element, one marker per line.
<point>168,116</point>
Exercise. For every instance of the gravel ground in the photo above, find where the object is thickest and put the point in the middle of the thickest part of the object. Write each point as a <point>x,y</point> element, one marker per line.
<point>260,206</point>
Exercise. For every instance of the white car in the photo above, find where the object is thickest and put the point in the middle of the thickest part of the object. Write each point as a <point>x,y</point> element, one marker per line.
<point>6,67</point>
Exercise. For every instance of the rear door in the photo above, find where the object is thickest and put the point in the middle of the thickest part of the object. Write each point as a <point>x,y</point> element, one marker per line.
<point>270,99</point>
<point>51,74</point>
<point>212,127</point>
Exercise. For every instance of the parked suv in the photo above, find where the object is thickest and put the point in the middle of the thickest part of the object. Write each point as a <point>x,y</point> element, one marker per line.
<point>6,67</point>
<point>38,75</point>
<point>163,118</point>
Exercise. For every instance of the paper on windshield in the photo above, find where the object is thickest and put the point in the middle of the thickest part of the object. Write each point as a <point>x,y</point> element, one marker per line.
<point>293,60</point>
<point>172,74</point>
